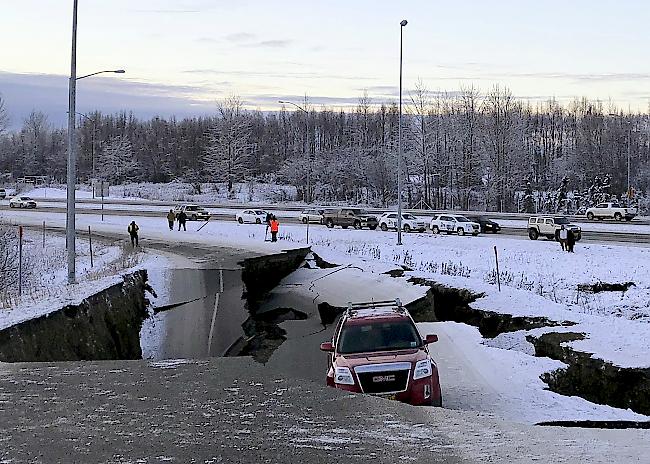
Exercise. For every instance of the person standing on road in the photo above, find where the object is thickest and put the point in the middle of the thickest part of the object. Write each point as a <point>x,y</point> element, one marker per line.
<point>182,217</point>
<point>133,233</point>
<point>171,217</point>
<point>571,241</point>
<point>563,238</point>
<point>275,227</point>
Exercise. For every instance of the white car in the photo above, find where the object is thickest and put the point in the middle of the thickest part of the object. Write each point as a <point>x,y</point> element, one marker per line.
<point>22,202</point>
<point>254,216</point>
<point>453,223</point>
<point>311,215</point>
<point>409,222</point>
<point>611,211</point>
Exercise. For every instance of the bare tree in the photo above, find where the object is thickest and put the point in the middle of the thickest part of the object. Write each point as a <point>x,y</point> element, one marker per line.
<point>228,149</point>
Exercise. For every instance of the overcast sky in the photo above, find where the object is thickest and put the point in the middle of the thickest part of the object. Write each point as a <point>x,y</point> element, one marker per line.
<point>183,55</point>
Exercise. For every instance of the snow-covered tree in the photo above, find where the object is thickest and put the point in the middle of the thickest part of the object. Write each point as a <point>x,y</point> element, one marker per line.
<point>117,162</point>
<point>227,153</point>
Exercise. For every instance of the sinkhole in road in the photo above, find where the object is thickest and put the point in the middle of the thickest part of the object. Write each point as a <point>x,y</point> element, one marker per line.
<point>201,313</point>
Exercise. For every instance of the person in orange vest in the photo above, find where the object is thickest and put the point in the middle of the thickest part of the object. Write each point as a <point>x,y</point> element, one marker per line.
<point>275,226</point>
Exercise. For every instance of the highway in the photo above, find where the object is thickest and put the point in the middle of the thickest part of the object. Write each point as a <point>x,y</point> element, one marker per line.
<point>162,205</point>
<point>618,232</point>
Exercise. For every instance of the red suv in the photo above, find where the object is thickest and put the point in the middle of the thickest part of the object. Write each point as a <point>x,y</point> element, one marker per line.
<point>377,349</point>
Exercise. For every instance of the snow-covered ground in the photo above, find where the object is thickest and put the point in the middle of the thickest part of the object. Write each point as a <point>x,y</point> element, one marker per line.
<point>45,286</point>
<point>538,280</point>
<point>180,191</point>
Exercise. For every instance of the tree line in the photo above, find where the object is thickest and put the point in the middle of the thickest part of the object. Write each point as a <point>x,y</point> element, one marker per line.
<point>463,149</point>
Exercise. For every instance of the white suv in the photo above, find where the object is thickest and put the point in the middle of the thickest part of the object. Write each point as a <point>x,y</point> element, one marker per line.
<point>409,222</point>
<point>451,223</point>
<point>549,226</point>
<point>611,211</point>
<point>22,202</point>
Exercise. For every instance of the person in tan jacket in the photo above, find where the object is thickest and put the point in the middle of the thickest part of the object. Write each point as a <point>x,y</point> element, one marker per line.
<point>171,217</point>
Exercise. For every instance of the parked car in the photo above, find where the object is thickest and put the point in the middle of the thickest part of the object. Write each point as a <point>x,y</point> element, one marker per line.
<point>312,215</point>
<point>3,194</point>
<point>547,226</point>
<point>486,224</point>
<point>346,217</point>
<point>451,223</point>
<point>611,211</point>
<point>22,202</point>
<point>409,222</point>
<point>255,216</point>
<point>377,349</point>
<point>193,212</point>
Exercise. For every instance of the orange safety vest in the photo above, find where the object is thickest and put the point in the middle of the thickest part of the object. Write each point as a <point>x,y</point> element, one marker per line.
<point>275,225</point>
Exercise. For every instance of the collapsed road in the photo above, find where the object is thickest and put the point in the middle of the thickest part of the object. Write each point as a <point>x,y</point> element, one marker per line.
<point>236,410</point>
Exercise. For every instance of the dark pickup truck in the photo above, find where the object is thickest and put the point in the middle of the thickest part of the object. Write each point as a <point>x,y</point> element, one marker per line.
<point>346,217</point>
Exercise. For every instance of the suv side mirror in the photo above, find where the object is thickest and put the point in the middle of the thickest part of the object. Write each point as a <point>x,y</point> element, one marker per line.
<point>328,347</point>
<point>428,339</point>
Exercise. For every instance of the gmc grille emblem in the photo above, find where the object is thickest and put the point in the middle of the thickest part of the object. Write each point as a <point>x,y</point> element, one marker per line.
<point>383,378</point>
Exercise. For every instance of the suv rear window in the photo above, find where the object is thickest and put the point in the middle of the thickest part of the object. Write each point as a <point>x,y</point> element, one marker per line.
<point>378,336</point>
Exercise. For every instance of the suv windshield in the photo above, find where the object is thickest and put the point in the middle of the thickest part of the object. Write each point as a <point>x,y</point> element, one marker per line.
<point>260,213</point>
<point>561,220</point>
<point>378,336</point>
<point>462,219</point>
<point>408,216</point>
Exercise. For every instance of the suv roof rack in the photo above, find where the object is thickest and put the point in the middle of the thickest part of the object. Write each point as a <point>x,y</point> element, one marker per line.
<point>373,304</point>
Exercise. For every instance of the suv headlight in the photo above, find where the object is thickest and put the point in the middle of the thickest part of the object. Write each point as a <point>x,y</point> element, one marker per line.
<point>343,376</point>
<point>422,369</point>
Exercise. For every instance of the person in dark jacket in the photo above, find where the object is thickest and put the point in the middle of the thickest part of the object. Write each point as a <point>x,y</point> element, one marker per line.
<point>171,217</point>
<point>133,233</point>
<point>570,241</point>
<point>182,218</point>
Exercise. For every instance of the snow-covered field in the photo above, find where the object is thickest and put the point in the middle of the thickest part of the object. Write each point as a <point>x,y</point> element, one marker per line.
<point>180,191</point>
<point>44,281</point>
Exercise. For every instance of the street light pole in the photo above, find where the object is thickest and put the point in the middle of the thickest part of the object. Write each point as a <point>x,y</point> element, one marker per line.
<point>72,156</point>
<point>283,102</point>
<point>72,160</point>
<point>399,141</point>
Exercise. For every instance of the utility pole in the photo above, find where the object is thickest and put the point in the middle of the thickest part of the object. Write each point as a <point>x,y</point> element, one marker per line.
<point>402,24</point>
<point>72,159</point>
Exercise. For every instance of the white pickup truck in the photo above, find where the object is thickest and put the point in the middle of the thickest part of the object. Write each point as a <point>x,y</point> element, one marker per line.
<point>611,211</point>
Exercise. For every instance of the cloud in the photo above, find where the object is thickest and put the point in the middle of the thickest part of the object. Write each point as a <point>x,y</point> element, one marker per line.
<point>271,43</point>
<point>240,37</point>
<point>276,75</point>
<point>49,93</point>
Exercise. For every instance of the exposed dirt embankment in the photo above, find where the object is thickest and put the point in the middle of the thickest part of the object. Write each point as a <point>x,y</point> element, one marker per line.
<point>262,274</point>
<point>443,303</point>
<point>103,326</point>
<point>590,378</point>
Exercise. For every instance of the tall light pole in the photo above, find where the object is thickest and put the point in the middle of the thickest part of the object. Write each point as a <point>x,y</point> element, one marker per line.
<point>92,146</point>
<point>629,142</point>
<point>284,102</point>
<point>399,140</point>
<point>72,161</point>
<point>72,156</point>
